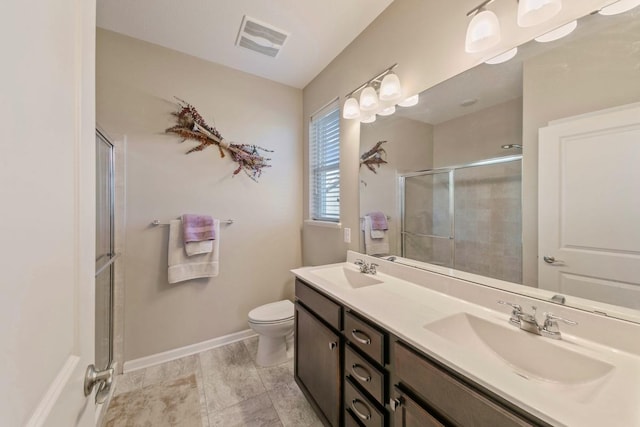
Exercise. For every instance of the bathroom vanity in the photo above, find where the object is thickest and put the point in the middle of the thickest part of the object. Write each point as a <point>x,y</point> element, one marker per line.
<point>406,347</point>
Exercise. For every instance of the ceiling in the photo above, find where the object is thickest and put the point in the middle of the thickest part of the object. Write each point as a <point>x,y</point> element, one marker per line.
<point>207,29</point>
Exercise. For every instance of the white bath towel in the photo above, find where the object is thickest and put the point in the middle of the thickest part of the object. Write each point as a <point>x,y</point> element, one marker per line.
<point>196,248</point>
<point>373,246</point>
<point>183,268</point>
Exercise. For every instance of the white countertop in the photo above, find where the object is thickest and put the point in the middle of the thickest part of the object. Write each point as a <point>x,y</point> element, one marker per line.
<point>404,308</point>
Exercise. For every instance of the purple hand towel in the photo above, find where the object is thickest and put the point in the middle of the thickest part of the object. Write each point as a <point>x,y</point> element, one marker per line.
<point>378,221</point>
<point>197,228</point>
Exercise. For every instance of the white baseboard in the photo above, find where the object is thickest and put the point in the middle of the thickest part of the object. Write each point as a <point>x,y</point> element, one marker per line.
<point>177,353</point>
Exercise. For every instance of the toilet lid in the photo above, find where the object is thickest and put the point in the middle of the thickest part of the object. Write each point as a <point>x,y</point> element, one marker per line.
<point>272,312</point>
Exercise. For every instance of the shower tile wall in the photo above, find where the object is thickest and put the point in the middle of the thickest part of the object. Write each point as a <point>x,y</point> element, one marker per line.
<point>488,221</point>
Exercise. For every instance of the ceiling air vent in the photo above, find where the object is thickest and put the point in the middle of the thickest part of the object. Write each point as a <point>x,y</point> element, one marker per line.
<point>260,37</point>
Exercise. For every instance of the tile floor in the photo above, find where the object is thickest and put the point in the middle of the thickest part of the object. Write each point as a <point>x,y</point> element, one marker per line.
<point>233,390</point>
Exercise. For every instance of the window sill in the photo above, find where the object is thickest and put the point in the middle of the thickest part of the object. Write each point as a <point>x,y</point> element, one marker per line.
<point>325,224</point>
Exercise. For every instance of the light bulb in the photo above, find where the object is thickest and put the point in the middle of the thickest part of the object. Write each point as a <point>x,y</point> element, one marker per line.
<point>534,12</point>
<point>483,32</point>
<point>558,33</point>
<point>368,100</point>
<point>390,89</point>
<point>351,109</point>
<point>410,101</point>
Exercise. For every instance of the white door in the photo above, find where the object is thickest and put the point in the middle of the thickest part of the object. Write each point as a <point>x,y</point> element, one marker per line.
<point>589,206</point>
<point>47,220</point>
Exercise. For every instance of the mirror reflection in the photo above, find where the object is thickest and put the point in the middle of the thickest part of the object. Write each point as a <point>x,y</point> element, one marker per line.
<point>517,171</point>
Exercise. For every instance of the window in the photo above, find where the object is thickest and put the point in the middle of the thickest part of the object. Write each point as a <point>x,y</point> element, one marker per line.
<point>324,163</point>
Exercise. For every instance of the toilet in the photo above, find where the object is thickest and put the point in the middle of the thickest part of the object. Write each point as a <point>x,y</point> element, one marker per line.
<point>274,324</point>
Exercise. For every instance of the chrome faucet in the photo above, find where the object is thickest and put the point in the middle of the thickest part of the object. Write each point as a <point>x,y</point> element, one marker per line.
<point>365,267</point>
<point>528,321</point>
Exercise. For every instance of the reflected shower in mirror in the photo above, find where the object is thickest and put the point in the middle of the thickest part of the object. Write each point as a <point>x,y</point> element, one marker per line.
<point>447,207</point>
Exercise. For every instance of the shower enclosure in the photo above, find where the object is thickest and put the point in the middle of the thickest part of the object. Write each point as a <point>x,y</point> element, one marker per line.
<point>105,254</point>
<point>467,217</point>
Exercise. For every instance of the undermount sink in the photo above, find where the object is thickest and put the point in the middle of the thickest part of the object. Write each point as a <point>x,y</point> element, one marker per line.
<point>528,355</point>
<point>346,276</point>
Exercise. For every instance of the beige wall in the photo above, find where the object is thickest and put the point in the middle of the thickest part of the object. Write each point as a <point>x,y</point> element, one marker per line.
<point>587,83</point>
<point>426,39</point>
<point>478,136</point>
<point>136,82</point>
<point>409,148</point>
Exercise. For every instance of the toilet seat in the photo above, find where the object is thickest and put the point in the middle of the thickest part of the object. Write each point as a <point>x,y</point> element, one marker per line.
<point>272,313</point>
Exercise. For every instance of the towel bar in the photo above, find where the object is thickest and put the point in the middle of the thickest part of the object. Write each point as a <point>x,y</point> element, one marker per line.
<point>156,222</point>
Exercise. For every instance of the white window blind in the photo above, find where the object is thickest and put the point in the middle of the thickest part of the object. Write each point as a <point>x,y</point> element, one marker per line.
<point>324,163</point>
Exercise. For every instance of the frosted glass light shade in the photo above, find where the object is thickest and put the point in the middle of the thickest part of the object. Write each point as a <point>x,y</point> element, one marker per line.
<point>619,7</point>
<point>351,109</point>
<point>483,32</point>
<point>410,101</point>
<point>387,111</point>
<point>534,12</point>
<point>390,89</point>
<point>368,119</point>
<point>368,100</point>
<point>503,57</point>
<point>558,33</point>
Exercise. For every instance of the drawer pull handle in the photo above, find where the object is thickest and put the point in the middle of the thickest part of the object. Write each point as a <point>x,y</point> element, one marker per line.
<point>356,332</point>
<point>358,413</point>
<point>333,345</point>
<point>366,378</point>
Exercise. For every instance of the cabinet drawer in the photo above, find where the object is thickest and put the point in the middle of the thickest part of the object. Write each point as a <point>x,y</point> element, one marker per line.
<point>364,374</point>
<point>349,419</point>
<point>364,336</point>
<point>361,408</point>
<point>328,310</point>
<point>449,397</point>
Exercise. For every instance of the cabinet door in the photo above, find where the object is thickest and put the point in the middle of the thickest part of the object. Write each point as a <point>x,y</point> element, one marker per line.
<point>409,414</point>
<point>317,360</point>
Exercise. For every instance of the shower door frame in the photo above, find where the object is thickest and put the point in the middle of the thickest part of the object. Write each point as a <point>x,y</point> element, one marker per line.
<point>112,255</point>
<point>451,171</point>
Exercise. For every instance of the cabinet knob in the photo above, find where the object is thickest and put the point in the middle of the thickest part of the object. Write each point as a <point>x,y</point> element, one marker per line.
<point>395,403</point>
<point>333,345</point>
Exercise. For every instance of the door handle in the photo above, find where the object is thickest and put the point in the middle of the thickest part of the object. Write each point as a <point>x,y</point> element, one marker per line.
<point>552,260</point>
<point>333,345</point>
<point>92,377</point>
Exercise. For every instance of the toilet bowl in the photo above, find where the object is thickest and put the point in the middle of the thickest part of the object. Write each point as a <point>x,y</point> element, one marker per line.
<point>274,324</point>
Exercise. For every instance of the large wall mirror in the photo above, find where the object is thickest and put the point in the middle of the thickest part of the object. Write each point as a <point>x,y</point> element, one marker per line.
<point>517,172</point>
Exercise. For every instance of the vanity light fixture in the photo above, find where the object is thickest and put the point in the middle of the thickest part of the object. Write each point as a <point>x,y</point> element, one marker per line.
<point>503,57</point>
<point>390,89</point>
<point>369,100</point>
<point>620,6</point>
<point>351,109</point>
<point>377,96</point>
<point>535,12</point>
<point>558,33</point>
<point>483,31</point>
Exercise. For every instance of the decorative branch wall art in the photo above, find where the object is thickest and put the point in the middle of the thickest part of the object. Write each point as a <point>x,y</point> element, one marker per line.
<point>191,125</point>
<point>373,157</point>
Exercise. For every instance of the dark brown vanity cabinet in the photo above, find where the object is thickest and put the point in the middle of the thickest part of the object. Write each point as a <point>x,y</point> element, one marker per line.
<point>356,374</point>
<point>318,352</point>
<point>445,400</point>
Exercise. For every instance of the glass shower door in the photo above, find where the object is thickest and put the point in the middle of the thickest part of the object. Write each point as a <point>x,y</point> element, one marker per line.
<point>427,217</point>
